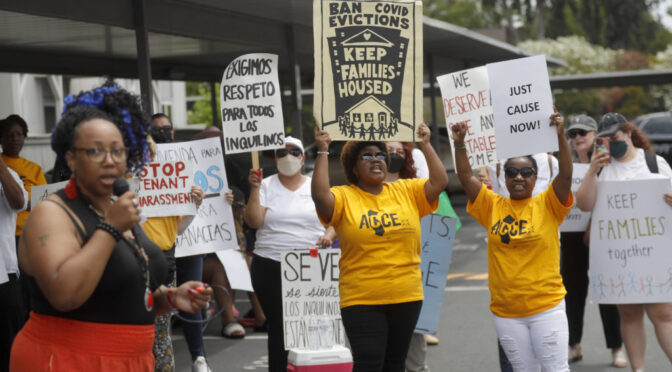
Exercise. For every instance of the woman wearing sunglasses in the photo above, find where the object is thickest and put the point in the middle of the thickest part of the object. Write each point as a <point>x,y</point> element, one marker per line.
<point>581,131</point>
<point>378,226</point>
<point>527,294</point>
<point>282,210</point>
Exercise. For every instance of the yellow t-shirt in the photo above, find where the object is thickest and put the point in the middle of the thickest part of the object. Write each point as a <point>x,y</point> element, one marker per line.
<point>380,242</point>
<point>31,175</point>
<point>523,250</point>
<point>162,231</point>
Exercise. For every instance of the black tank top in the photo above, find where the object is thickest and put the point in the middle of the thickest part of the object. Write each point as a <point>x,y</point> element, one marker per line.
<point>119,296</point>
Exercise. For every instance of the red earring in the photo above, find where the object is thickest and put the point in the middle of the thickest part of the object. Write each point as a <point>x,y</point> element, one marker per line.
<point>71,189</point>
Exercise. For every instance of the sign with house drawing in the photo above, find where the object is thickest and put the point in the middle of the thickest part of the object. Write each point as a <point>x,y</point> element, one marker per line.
<point>368,69</point>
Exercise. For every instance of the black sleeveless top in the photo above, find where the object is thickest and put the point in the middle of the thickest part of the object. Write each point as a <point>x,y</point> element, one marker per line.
<point>119,297</point>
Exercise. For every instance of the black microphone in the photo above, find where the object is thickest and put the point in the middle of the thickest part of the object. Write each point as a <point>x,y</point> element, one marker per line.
<point>120,187</point>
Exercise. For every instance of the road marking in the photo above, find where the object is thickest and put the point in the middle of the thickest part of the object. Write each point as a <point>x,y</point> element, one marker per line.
<point>179,337</point>
<point>467,276</point>
<point>466,289</point>
<point>456,275</point>
<point>483,276</point>
<point>466,247</point>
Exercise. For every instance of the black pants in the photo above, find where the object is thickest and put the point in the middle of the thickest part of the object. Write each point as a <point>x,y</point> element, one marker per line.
<point>380,334</point>
<point>266,281</point>
<point>574,270</point>
<point>11,317</point>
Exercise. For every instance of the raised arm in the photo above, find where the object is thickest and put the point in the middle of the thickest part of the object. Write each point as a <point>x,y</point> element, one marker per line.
<point>438,178</point>
<point>470,184</point>
<point>183,222</point>
<point>562,183</point>
<point>14,192</point>
<point>587,192</point>
<point>255,212</point>
<point>51,251</point>
<point>322,196</point>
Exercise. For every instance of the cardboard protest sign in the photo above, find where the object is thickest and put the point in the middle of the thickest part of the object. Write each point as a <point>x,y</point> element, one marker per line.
<point>576,220</point>
<point>438,235</point>
<point>40,192</point>
<point>213,228</point>
<point>522,105</point>
<point>251,106</point>
<point>310,293</point>
<point>630,256</point>
<point>165,189</point>
<point>368,69</point>
<point>466,99</point>
<point>236,269</point>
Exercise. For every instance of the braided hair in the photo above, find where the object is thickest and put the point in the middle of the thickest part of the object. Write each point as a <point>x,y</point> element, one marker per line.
<point>109,102</point>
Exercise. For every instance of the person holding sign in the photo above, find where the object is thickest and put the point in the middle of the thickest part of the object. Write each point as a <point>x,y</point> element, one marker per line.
<point>378,226</point>
<point>629,156</point>
<point>581,131</point>
<point>527,294</point>
<point>281,209</point>
<point>94,276</point>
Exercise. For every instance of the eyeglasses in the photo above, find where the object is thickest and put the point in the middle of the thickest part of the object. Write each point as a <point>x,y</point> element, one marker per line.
<point>281,153</point>
<point>526,172</point>
<point>165,128</point>
<point>97,155</point>
<point>574,132</point>
<point>367,156</point>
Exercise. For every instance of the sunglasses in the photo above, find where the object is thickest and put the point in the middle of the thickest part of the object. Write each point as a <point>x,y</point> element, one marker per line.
<point>367,156</point>
<point>281,153</point>
<point>526,172</point>
<point>574,132</point>
<point>165,128</point>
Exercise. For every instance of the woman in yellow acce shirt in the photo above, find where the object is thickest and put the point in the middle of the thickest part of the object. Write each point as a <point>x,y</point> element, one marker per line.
<point>527,294</point>
<point>378,226</point>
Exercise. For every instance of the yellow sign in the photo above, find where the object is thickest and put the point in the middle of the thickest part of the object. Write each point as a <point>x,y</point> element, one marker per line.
<point>368,69</point>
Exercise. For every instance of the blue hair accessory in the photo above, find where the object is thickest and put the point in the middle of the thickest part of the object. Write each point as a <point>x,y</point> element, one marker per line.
<point>126,115</point>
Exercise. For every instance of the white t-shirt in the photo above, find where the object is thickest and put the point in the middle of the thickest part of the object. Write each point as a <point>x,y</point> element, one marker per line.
<point>8,261</point>
<point>544,175</point>
<point>291,219</point>
<point>633,169</point>
<point>420,164</point>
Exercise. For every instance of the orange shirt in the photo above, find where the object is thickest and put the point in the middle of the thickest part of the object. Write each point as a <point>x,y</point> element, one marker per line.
<point>31,175</point>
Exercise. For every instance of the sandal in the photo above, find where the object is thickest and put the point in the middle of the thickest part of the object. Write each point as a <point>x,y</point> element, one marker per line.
<point>575,353</point>
<point>233,330</point>
<point>431,340</point>
<point>619,360</point>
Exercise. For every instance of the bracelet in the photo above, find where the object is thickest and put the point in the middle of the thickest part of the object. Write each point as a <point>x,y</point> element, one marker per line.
<point>323,153</point>
<point>102,225</point>
<point>463,147</point>
<point>169,297</point>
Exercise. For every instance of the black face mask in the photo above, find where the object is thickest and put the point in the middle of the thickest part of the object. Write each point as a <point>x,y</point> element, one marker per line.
<point>396,163</point>
<point>162,137</point>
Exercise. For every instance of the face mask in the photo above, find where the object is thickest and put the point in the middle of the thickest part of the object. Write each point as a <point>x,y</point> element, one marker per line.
<point>289,165</point>
<point>396,163</point>
<point>162,137</point>
<point>617,149</point>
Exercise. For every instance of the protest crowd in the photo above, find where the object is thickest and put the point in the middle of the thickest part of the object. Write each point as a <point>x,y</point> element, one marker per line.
<point>132,232</point>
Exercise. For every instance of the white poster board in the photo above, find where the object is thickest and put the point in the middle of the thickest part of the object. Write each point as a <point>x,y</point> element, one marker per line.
<point>165,189</point>
<point>576,220</point>
<point>251,106</point>
<point>213,228</point>
<point>522,104</point>
<point>466,99</point>
<point>40,192</point>
<point>310,293</point>
<point>630,255</point>
<point>236,269</point>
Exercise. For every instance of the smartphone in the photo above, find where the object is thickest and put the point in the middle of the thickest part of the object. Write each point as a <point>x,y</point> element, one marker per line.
<point>602,145</point>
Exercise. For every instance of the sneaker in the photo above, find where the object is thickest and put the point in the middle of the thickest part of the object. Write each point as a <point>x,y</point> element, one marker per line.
<point>200,365</point>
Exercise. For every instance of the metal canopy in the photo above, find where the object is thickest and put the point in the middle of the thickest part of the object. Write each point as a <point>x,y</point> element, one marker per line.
<point>193,39</point>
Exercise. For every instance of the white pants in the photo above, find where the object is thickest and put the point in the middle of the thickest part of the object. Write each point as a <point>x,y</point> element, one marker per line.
<point>537,342</point>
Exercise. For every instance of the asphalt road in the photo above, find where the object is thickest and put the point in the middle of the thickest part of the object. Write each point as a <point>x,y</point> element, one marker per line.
<point>467,336</point>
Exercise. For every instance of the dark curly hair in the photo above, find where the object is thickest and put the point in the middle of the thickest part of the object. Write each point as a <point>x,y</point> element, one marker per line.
<point>13,119</point>
<point>119,106</point>
<point>349,157</point>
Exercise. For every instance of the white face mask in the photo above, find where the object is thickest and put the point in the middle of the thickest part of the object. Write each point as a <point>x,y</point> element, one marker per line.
<point>289,165</point>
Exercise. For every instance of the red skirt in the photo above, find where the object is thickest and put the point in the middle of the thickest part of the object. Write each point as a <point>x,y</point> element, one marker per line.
<point>50,343</point>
